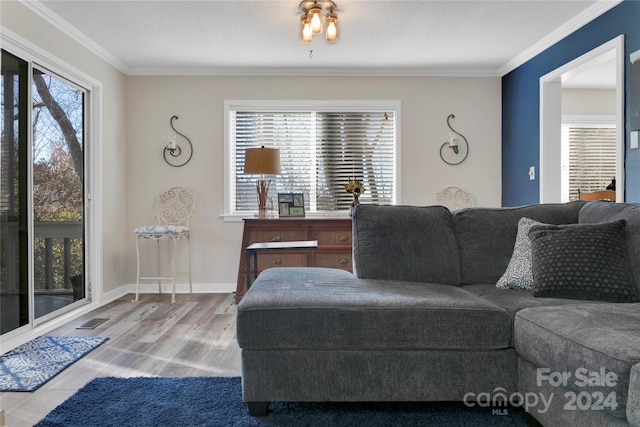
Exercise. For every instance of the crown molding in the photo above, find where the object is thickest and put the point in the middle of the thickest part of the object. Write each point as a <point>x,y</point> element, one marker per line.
<point>579,21</point>
<point>313,72</point>
<point>67,28</point>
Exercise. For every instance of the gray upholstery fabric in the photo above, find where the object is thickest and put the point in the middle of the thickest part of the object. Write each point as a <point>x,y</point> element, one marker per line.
<point>324,335</point>
<point>633,401</point>
<point>514,301</point>
<point>589,336</point>
<point>630,212</point>
<point>409,243</point>
<point>583,261</point>
<point>486,236</point>
<point>556,414</point>
<point>374,375</point>
<point>316,308</point>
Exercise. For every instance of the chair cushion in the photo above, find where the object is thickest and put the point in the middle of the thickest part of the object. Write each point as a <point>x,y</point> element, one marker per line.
<point>157,230</point>
<point>581,340</point>
<point>584,261</point>
<point>319,308</point>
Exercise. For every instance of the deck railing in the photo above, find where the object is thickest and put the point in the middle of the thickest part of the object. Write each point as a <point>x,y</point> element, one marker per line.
<point>48,235</point>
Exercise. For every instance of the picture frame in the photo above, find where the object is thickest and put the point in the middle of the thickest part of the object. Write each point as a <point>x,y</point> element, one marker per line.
<point>291,204</point>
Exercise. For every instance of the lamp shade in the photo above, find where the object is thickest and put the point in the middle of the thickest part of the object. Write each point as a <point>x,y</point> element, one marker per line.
<point>265,161</point>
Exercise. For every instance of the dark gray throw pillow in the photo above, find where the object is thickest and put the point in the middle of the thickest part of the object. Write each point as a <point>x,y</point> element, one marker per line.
<point>582,261</point>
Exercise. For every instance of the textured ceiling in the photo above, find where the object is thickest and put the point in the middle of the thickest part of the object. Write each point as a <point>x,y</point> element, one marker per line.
<point>397,37</point>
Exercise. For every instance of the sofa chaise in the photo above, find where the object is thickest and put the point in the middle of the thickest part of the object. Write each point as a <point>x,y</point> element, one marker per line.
<point>423,319</point>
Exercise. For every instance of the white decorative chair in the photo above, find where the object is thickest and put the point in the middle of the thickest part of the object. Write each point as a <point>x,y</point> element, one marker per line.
<point>173,212</point>
<point>454,198</point>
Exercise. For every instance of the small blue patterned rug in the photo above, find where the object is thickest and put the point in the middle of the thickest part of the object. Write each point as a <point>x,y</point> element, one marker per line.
<point>29,366</point>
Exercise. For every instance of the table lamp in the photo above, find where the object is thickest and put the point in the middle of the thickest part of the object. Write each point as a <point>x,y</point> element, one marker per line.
<point>262,161</point>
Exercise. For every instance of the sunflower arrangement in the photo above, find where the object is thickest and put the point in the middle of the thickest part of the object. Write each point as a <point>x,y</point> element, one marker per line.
<point>355,187</point>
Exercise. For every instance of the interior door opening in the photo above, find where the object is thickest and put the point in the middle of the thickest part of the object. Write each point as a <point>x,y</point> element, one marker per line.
<point>606,63</point>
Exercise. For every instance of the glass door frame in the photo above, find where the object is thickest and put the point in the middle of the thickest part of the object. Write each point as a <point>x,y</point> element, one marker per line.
<point>33,67</point>
<point>92,147</point>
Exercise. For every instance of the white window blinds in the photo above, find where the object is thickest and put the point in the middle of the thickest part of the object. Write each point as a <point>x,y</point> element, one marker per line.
<point>319,152</point>
<point>589,159</point>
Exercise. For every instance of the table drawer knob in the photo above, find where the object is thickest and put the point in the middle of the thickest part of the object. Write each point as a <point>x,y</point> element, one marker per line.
<point>276,238</point>
<point>343,238</point>
<point>276,261</point>
<point>343,261</point>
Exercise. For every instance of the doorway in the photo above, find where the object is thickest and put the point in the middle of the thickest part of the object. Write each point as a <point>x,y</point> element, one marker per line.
<point>606,63</point>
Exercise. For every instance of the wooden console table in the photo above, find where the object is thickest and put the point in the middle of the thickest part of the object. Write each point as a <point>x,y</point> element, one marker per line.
<point>253,249</point>
<point>333,249</point>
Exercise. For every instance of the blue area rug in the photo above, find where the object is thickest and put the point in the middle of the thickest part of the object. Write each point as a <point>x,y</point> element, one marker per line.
<point>29,366</point>
<point>216,401</point>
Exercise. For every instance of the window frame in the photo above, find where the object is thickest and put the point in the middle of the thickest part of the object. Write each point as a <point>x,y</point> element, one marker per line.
<point>230,214</point>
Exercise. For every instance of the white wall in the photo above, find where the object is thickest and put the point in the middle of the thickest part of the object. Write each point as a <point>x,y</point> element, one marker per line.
<point>135,123</point>
<point>198,102</point>
<point>26,24</point>
<point>589,102</point>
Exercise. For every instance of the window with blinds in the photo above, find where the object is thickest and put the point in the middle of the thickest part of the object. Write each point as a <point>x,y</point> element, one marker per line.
<point>588,158</point>
<point>320,149</point>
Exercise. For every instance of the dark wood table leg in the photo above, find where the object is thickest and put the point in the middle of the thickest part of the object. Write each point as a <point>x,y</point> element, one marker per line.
<point>248,255</point>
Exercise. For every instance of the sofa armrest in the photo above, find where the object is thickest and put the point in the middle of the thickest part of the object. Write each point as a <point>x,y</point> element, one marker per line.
<point>633,400</point>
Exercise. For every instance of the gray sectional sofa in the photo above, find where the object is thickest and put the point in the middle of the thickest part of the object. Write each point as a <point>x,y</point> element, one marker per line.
<point>421,318</point>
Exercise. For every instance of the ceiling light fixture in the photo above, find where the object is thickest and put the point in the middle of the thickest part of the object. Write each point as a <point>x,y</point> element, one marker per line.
<point>311,23</point>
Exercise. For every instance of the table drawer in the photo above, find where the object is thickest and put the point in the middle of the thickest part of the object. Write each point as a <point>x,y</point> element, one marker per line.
<point>333,260</point>
<point>333,237</point>
<point>277,235</point>
<point>282,259</point>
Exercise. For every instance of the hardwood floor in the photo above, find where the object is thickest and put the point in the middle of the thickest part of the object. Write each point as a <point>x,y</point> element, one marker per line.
<point>194,337</point>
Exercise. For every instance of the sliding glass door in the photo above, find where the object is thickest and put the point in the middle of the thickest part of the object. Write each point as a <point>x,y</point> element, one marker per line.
<point>58,194</point>
<point>14,203</point>
<point>42,204</point>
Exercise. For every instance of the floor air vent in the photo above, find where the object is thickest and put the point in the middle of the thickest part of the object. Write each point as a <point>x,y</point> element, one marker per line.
<point>93,323</point>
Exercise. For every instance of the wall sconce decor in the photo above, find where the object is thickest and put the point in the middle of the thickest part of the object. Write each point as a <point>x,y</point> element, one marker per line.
<point>311,21</point>
<point>456,149</point>
<point>262,161</point>
<point>175,154</point>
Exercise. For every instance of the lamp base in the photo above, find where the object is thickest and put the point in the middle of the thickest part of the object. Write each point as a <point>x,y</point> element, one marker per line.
<point>262,185</point>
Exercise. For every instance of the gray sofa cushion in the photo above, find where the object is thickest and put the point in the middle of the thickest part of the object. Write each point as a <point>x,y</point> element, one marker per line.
<point>633,401</point>
<point>514,301</point>
<point>409,243</point>
<point>587,336</point>
<point>316,308</point>
<point>584,261</point>
<point>486,236</point>
<point>630,212</point>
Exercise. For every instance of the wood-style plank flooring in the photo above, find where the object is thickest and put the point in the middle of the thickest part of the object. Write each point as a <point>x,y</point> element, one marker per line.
<point>194,337</point>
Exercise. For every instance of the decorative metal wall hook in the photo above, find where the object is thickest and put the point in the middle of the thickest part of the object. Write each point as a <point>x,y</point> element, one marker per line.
<point>456,149</point>
<point>173,153</point>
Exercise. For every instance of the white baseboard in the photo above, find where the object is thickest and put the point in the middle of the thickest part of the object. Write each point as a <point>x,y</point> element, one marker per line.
<point>183,288</point>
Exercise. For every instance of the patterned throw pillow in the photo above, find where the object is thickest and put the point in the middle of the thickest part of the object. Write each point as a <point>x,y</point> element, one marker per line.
<point>518,274</point>
<point>582,261</point>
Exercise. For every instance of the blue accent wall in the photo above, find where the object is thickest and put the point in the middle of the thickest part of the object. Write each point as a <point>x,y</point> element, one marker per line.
<point>521,103</point>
